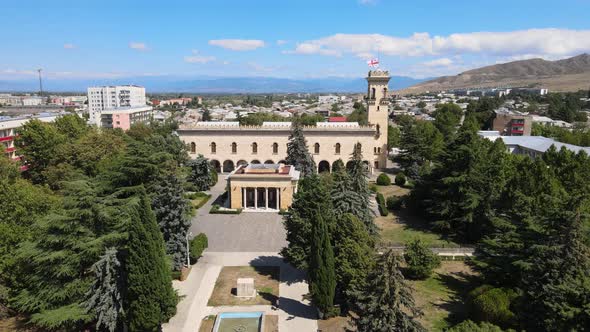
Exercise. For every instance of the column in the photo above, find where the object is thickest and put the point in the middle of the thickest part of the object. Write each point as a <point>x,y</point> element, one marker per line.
<point>256,198</point>
<point>266,193</point>
<point>277,201</point>
<point>244,197</point>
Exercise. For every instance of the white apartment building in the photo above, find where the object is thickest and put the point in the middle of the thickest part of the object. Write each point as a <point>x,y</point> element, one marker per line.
<point>109,98</point>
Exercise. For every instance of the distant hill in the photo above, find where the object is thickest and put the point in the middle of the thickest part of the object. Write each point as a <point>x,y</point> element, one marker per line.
<point>213,85</point>
<point>570,74</point>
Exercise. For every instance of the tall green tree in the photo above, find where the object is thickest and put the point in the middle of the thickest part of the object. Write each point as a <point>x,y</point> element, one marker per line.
<point>311,198</point>
<point>446,119</point>
<point>53,267</point>
<point>420,145</point>
<point>38,143</point>
<point>172,212</point>
<point>420,260</point>
<point>359,184</point>
<point>297,153</point>
<point>200,173</point>
<point>386,303</point>
<point>321,271</point>
<point>353,254</point>
<point>150,297</point>
<point>105,298</point>
<point>556,283</point>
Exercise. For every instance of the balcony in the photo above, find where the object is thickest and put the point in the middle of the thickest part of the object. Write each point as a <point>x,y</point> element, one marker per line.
<point>10,150</point>
<point>6,138</point>
<point>518,124</point>
<point>370,101</point>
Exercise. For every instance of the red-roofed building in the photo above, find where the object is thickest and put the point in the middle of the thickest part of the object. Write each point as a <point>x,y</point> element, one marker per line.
<point>337,119</point>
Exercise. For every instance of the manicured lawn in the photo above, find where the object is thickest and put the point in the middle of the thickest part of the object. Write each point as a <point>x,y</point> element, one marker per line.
<point>399,227</point>
<point>442,296</point>
<point>199,201</point>
<point>266,282</point>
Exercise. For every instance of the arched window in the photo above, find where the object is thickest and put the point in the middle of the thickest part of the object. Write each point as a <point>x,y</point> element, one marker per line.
<point>384,92</point>
<point>337,148</point>
<point>193,147</point>
<point>254,147</point>
<point>372,93</point>
<point>358,147</point>
<point>316,148</point>
<point>234,148</point>
<point>213,147</point>
<point>275,148</point>
<point>378,130</point>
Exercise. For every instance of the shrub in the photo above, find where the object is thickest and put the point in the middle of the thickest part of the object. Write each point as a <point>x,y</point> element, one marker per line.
<point>383,180</point>
<point>382,207</point>
<point>492,305</point>
<point>470,326</point>
<point>214,177</point>
<point>373,187</point>
<point>400,179</point>
<point>394,203</point>
<point>197,245</point>
<point>420,259</point>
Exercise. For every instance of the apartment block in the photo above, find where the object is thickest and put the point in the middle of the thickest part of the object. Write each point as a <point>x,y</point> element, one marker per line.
<point>117,106</point>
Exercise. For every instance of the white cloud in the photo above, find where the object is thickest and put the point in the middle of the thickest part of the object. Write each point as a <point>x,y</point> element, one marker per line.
<point>367,2</point>
<point>199,59</point>
<point>281,42</point>
<point>138,46</point>
<point>549,42</point>
<point>69,46</point>
<point>442,62</point>
<point>238,44</point>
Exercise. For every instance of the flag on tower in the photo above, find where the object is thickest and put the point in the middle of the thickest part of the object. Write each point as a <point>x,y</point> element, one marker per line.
<point>373,63</point>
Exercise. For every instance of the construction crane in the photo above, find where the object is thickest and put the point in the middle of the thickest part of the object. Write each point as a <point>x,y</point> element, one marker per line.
<point>40,83</point>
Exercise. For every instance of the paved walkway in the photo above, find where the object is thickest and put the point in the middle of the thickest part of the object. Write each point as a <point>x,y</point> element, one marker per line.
<point>295,313</point>
<point>246,232</point>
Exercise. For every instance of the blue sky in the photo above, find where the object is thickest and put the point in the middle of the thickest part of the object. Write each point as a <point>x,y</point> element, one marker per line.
<point>294,39</point>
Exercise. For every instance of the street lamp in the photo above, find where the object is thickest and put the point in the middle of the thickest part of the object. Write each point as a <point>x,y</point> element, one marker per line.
<point>188,256</point>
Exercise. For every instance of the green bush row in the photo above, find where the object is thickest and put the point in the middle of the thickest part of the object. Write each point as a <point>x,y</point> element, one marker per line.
<point>382,207</point>
<point>394,203</point>
<point>216,210</point>
<point>197,245</point>
<point>195,195</point>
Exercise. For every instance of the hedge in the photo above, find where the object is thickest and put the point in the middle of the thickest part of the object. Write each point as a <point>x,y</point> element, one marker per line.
<point>197,245</point>
<point>382,208</point>
<point>383,180</point>
<point>215,209</point>
<point>373,187</point>
<point>214,177</point>
<point>394,203</point>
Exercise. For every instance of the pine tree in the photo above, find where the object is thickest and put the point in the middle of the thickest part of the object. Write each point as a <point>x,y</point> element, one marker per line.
<point>52,268</point>
<point>321,271</point>
<point>344,199</point>
<point>105,298</point>
<point>172,213</point>
<point>150,297</point>
<point>200,173</point>
<point>297,153</point>
<point>359,184</point>
<point>557,283</point>
<point>386,303</point>
<point>311,197</point>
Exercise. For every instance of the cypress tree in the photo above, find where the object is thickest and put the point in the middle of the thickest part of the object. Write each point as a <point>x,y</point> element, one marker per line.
<point>297,153</point>
<point>172,213</point>
<point>322,276</point>
<point>311,198</point>
<point>359,184</point>
<point>105,298</point>
<point>150,297</point>
<point>386,303</point>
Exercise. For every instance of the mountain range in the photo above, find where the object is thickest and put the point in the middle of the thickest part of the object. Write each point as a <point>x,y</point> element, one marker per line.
<point>155,84</point>
<point>571,74</point>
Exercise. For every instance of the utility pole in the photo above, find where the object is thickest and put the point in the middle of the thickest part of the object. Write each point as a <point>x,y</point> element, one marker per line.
<point>40,83</point>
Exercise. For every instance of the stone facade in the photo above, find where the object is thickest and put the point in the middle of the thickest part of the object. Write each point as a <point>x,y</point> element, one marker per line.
<point>267,187</point>
<point>227,144</point>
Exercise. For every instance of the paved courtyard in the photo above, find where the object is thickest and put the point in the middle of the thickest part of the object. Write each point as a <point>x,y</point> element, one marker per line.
<point>246,232</point>
<point>295,313</point>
